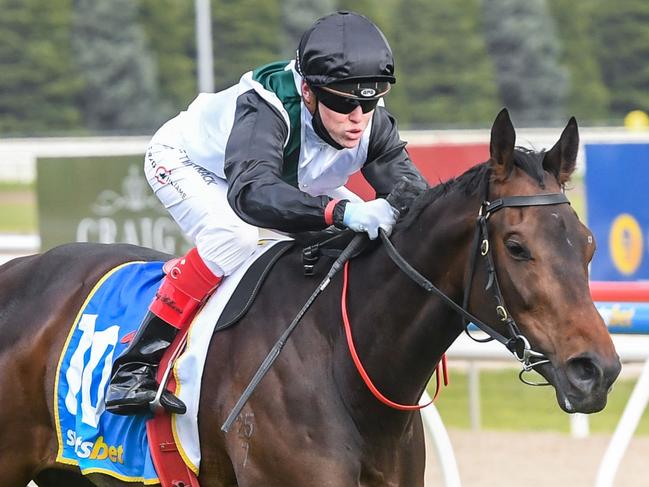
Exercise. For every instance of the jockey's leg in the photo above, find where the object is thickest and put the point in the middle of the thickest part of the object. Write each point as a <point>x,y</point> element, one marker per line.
<point>133,385</point>
<point>197,200</point>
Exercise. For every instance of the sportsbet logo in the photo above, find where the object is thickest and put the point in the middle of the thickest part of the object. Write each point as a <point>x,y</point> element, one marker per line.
<point>625,243</point>
<point>98,450</point>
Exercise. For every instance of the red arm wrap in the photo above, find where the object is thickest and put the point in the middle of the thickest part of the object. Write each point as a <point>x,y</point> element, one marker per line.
<point>329,212</point>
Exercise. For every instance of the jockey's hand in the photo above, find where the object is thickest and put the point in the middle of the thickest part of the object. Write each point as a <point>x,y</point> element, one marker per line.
<point>369,216</point>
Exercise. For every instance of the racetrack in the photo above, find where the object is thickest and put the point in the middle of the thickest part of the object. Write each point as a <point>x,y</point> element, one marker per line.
<point>498,459</point>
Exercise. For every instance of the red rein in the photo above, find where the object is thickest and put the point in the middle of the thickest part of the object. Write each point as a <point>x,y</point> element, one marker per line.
<point>361,369</point>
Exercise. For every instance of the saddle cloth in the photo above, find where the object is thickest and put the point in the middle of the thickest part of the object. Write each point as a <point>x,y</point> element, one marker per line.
<point>118,446</point>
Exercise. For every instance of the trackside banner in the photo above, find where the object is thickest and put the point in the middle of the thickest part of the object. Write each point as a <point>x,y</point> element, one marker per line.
<point>618,210</point>
<point>104,200</point>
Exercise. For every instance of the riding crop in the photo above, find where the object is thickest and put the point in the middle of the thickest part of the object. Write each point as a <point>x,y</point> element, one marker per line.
<point>265,366</point>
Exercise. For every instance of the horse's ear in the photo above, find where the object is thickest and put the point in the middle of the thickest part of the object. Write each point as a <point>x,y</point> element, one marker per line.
<point>561,160</point>
<point>501,148</point>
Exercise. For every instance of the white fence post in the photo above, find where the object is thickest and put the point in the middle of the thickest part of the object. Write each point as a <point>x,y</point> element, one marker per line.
<point>625,429</point>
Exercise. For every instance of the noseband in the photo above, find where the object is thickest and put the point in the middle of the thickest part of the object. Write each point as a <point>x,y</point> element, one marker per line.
<point>514,340</point>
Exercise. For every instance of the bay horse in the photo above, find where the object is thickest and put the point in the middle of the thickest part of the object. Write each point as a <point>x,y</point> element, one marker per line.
<point>312,421</point>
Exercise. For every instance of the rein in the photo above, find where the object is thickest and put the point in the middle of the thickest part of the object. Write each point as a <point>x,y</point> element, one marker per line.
<point>515,342</point>
<point>363,373</point>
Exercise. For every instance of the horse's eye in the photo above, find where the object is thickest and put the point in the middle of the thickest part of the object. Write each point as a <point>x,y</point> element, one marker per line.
<point>517,250</point>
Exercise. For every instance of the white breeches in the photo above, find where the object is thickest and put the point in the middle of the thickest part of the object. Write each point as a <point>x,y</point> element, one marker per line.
<point>197,200</point>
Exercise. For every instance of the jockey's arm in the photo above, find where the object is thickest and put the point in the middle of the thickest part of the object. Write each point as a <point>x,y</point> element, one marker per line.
<point>253,168</point>
<point>387,158</point>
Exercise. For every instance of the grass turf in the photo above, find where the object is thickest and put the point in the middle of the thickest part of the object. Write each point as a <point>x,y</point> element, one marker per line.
<point>18,212</point>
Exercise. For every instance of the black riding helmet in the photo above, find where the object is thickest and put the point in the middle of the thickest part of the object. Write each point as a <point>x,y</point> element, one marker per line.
<point>346,60</point>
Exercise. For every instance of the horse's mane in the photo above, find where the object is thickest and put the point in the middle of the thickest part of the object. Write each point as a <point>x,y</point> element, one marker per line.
<point>474,181</point>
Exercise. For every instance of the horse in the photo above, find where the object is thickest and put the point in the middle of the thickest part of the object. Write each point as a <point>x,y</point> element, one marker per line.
<point>312,420</point>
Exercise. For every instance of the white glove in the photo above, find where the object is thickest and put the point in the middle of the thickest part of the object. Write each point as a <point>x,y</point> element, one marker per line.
<point>369,216</point>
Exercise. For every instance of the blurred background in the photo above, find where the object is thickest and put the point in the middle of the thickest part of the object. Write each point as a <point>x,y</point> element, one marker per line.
<point>85,67</point>
<point>85,83</point>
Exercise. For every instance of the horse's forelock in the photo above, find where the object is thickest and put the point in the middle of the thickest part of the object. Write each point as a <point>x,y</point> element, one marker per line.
<point>531,162</point>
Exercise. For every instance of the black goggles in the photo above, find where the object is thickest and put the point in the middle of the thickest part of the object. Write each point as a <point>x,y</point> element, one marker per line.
<point>343,104</point>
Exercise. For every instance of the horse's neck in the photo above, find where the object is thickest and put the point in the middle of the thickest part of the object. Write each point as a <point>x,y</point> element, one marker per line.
<point>401,331</point>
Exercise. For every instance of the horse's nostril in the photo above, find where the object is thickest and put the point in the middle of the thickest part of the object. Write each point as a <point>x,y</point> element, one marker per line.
<point>584,369</point>
<point>584,373</point>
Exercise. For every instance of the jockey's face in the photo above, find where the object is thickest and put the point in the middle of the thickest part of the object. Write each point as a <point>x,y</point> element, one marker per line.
<point>345,128</point>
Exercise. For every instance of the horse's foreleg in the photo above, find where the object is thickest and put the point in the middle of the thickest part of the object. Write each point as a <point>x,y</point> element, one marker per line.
<point>296,469</point>
<point>413,456</point>
<point>300,479</point>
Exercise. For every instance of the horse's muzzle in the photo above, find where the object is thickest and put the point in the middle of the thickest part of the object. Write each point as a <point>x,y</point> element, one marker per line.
<point>586,382</point>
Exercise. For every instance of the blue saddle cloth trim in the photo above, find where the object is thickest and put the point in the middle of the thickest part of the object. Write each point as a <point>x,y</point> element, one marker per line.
<point>88,436</point>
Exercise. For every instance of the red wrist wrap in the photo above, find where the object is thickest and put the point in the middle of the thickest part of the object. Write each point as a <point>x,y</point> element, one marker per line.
<point>329,212</point>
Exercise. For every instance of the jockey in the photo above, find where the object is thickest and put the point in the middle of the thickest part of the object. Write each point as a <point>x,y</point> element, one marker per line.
<point>273,151</point>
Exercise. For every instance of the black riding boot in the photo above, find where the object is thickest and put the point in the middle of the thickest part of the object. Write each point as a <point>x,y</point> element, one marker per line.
<point>133,385</point>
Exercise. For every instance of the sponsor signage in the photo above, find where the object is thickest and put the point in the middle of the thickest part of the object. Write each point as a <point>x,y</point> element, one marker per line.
<point>618,210</point>
<point>105,200</point>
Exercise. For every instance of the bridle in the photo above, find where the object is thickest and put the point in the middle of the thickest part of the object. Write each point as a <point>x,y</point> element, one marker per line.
<point>514,340</point>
